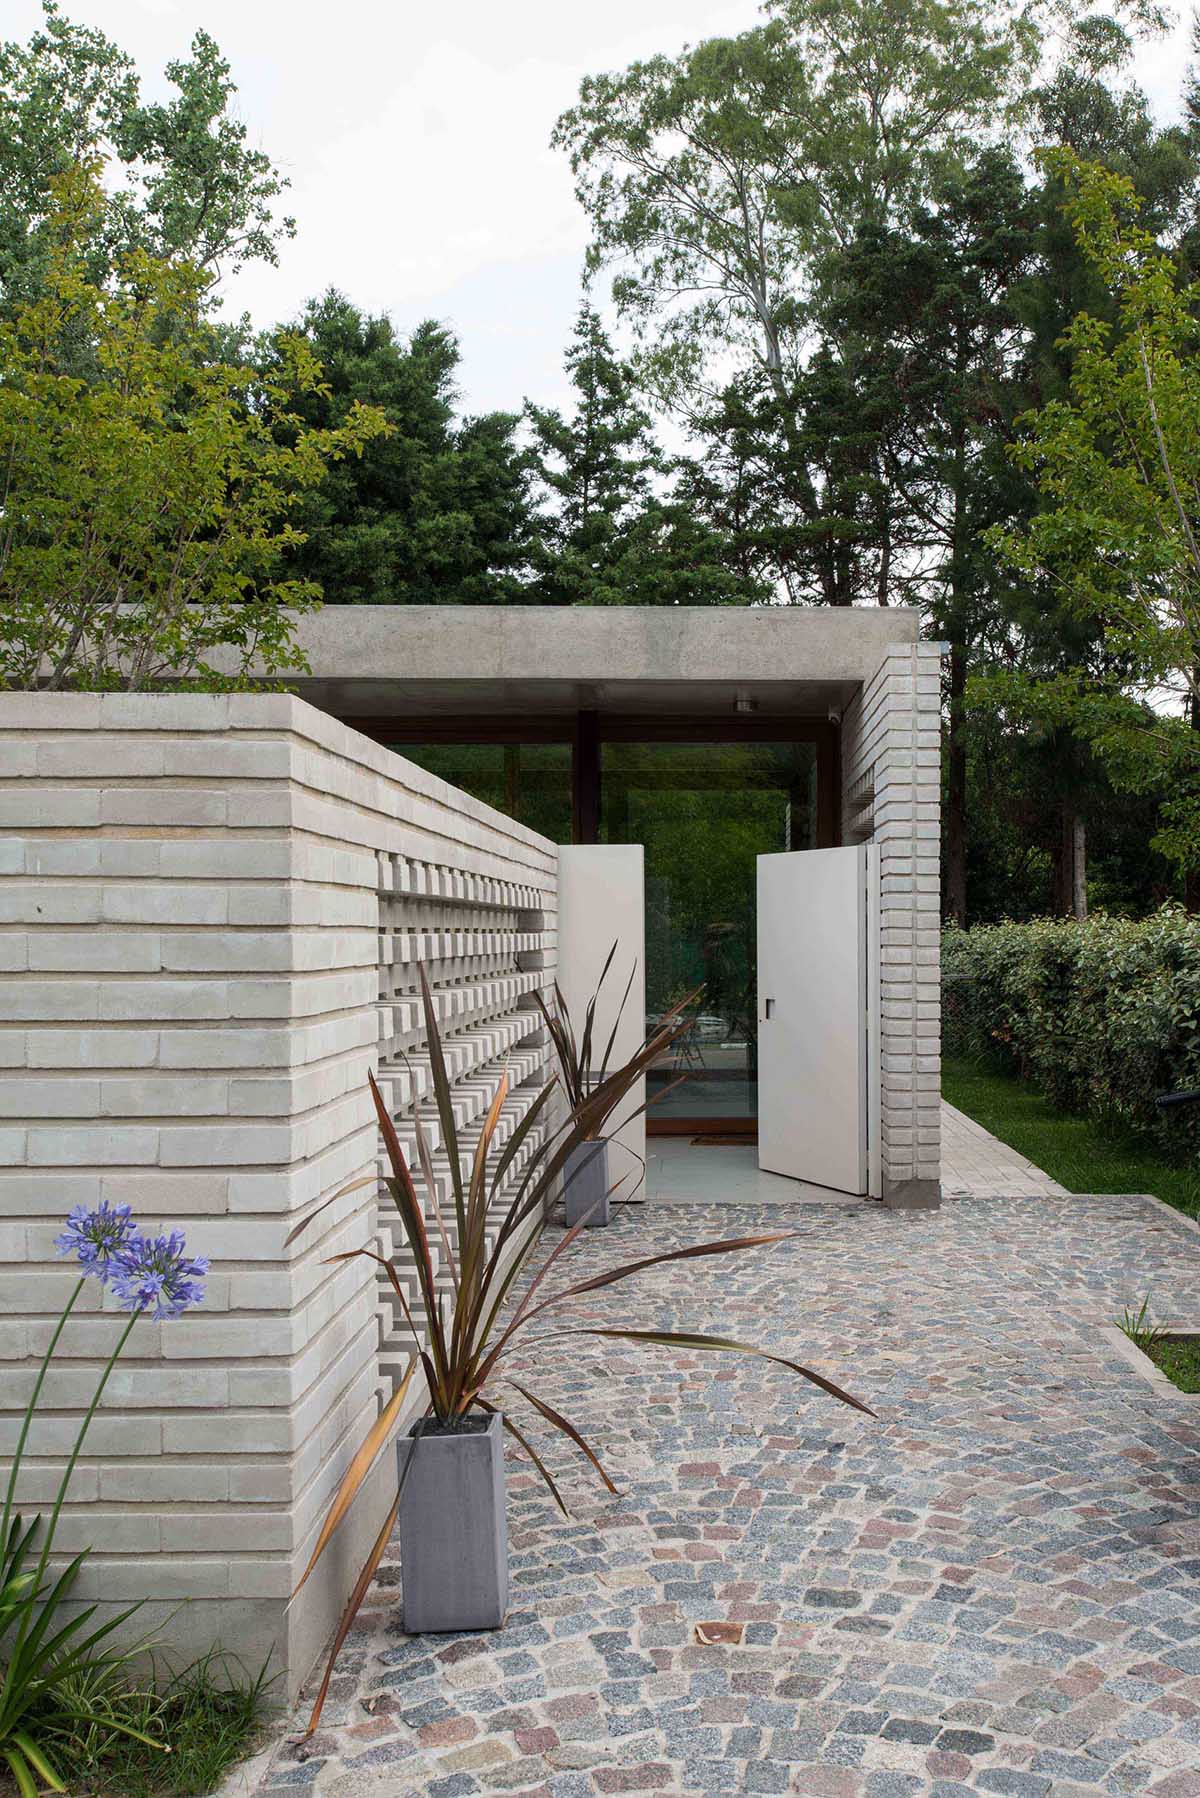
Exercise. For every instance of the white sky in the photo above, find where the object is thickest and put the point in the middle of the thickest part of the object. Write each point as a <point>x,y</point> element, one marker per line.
<point>416,139</point>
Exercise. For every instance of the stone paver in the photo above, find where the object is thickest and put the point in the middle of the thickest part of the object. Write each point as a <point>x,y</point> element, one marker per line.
<point>994,1587</point>
<point>976,1164</point>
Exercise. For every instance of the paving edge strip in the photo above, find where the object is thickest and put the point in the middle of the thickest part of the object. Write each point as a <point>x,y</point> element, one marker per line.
<point>1148,1198</point>
<point>244,1779</point>
<point>1153,1375</point>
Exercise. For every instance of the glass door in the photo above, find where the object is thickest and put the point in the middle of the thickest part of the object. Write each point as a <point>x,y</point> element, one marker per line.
<point>705,812</point>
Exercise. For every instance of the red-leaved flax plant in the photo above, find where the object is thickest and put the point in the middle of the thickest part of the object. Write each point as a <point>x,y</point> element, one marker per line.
<point>576,1056</point>
<point>461,1337</point>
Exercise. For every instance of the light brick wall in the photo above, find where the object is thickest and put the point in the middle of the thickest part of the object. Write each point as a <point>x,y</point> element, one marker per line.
<point>891,795</point>
<point>194,970</point>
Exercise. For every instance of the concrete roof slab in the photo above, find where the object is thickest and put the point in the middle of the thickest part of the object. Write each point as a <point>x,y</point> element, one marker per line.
<point>449,660</point>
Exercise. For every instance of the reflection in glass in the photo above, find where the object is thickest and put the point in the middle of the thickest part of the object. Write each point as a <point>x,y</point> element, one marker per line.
<point>528,781</point>
<point>705,812</point>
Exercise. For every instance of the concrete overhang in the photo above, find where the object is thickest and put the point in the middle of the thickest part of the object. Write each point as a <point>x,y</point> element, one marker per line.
<point>449,661</point>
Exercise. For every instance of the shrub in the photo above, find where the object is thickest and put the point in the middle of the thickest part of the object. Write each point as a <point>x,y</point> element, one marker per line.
<point>1101,1015</point>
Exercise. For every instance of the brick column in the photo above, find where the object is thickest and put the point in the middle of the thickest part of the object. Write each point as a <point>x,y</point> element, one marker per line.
<point>891,748</point>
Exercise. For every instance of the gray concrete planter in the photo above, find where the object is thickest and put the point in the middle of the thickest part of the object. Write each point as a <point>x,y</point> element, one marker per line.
<point>454,1527</point>
<point>586,1184</point>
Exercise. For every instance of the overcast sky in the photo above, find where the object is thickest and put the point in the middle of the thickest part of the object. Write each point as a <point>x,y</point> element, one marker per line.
<point>416,137</point>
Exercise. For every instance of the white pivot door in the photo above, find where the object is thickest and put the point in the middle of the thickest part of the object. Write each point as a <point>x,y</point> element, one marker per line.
<point>815,981</point>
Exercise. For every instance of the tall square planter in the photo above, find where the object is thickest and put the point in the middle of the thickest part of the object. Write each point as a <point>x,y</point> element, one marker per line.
<point>586,1185</point>
<point>453,1527</point>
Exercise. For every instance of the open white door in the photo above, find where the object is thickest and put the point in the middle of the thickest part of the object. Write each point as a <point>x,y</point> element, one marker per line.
<point>815,927</point>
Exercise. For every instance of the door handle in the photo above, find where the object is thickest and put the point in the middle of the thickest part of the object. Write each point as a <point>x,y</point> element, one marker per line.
<point>769,1011</point>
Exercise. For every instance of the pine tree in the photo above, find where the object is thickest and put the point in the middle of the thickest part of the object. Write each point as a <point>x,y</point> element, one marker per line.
<point>594,468</point>
<point>619,526</point>
<point>435,512</point>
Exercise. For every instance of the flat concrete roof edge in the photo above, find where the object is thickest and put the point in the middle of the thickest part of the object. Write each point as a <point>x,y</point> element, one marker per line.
<point>602,643</point>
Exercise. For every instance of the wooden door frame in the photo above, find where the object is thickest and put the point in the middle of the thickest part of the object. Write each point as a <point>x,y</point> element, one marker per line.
<point>618,728</point>
<point>587,731</point>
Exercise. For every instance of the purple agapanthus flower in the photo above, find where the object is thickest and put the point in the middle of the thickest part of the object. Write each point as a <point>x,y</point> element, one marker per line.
<point>156,1276</point>
<point>97,1238</point>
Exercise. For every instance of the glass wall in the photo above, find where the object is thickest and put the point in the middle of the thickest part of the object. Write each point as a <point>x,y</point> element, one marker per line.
<point>705,812</point>
<point>529,781</point>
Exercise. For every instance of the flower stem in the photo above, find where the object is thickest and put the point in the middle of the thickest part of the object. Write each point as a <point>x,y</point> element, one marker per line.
<point>11,1490</point>
<point>48,1542</point>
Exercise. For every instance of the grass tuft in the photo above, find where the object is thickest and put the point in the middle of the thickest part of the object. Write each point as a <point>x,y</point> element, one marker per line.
<point>210,1715</point>
<point>1075,1151</point>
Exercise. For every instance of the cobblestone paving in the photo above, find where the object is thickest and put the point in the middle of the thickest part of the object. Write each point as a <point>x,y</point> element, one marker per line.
<point>993,1588</point>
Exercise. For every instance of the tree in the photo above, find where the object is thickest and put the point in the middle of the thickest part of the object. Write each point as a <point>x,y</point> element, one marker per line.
<point>144,512</point>
<point>181,178</point>
<point>930,340</point>
<point>618,524</point>
<point>1030,782</point>
<point>594,467</point>
<point>720,185</point>
<point>1070,804</point>
<point>933,335</point>
<point>436,510</point>
<point>1116,463</point>
<point>718,181</point>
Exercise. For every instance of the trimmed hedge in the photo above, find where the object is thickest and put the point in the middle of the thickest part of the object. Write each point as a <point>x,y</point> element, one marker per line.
<point>1100,1016</point>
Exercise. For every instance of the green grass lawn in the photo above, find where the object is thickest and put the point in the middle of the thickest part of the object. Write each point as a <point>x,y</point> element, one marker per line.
<point>1179,1359</point>
<point>1072,1150</point>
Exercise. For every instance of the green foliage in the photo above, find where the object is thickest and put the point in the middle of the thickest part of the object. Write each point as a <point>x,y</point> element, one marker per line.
<point>595,466</point>
<point>1100,1016</point>
<point>1116,462</point>
<point>1178,1357</point>
<point>70,1704</point>
<point>209,1715</point>
<point>60,1674</point>
<point>724,187</point>
<point>1082,1155</point>
<point>718,180</point>
<point>52,1664</point>
<point>432,510</point>
<point>1138,1327</point>
<point>146,509</point>
<point>614,533</point>
<point>1023,774</point>
<point>847,289</point>
<point>182,180</point>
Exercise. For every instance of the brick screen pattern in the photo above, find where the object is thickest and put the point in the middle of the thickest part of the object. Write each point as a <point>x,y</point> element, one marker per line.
<point>485,948</point>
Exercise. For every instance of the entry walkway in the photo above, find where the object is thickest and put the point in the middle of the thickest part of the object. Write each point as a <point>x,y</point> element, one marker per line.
<point>992,1586</point>
<point>975,1165</point>
<point>679,1172</point>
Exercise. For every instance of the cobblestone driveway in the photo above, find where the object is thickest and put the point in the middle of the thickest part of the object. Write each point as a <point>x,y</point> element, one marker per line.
<point>994,1588</point>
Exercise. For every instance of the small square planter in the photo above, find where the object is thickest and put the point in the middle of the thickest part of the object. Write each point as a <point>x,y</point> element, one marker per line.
<point>454,1527</point>
<point>586,1184</point>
